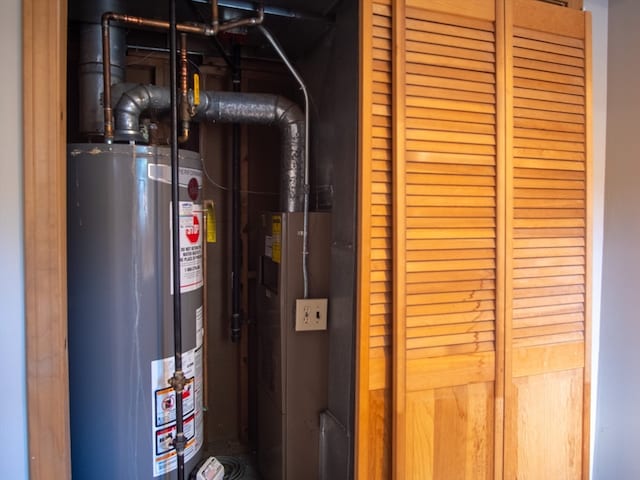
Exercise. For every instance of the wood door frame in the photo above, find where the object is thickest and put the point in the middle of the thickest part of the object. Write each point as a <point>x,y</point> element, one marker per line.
<point>44,52</point>
<point>44,143</point>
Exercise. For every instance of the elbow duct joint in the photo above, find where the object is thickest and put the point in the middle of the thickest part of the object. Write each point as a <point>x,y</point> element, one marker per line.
<point>230,107</point>
<point>132,104</point>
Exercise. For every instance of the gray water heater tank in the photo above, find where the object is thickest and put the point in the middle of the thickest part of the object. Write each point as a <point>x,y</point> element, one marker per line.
<point>121,311</point>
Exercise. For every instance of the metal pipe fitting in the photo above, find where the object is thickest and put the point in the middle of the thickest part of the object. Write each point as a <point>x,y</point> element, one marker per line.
<point>251,22</point>
<point>140,22</point>
<point>132,104</point>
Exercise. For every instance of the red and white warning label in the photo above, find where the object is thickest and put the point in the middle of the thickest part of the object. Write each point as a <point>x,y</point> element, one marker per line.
<point>166,402</point>
<point>190,247</point>
<point>164,410</point>
<point>166,436</point>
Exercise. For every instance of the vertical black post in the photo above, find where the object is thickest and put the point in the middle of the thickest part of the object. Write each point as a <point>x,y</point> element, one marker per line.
<point>236,241</point>
<point>177,381</point>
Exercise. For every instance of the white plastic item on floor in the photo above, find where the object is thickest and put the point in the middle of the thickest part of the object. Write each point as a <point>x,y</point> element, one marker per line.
<point>212,469</point>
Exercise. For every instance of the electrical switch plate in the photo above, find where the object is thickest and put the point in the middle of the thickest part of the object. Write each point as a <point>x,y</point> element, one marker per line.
<point>311,314</point>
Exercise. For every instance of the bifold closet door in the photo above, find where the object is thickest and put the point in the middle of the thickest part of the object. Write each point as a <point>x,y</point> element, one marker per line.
<point>373,394</point>
<point>473,328</point>
<point>446,226</point>
<point>547,329</point>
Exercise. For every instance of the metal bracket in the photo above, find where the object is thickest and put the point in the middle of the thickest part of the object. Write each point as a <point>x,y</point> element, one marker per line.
<point>179,443</point>
<point>178,381</point>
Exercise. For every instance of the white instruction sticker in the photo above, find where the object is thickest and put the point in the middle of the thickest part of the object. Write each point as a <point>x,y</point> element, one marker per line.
<point>190,247</point>
<point>268,246</point>
<point>199,327</point>
<point>162,173</point>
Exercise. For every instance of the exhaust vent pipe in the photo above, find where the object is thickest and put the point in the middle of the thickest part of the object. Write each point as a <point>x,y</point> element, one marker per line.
<point>230,107</point>
<point>90,83</point>
<point>90,75</point>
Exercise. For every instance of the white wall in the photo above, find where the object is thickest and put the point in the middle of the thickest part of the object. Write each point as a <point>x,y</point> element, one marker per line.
<point>599,10</point>
<point>13,416</point>
<point>618,418</point>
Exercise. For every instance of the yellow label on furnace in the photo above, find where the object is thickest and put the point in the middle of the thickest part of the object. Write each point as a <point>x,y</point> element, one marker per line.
<point>276,235</point>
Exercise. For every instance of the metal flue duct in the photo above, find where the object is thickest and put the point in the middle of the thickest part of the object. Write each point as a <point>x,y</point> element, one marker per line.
<point>230,107</point>
<point>90,64</point>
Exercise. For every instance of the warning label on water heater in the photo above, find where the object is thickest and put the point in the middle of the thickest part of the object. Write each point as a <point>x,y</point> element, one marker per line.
<point>190,247</point>
<point>164,410</point>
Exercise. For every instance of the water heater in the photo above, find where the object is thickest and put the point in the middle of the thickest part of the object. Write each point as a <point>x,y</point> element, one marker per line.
<point>120,310</point>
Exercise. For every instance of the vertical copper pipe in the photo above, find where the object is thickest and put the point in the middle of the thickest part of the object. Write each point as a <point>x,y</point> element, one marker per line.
<point>215,20</point>
<point>183,63</point>
<point>106,76</point>
<point>185,117</point>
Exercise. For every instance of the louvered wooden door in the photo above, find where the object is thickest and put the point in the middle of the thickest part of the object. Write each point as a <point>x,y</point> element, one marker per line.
<point>446,227</point>
<point>473,235</point>
<point>547,338</point>
<point>375,285</point>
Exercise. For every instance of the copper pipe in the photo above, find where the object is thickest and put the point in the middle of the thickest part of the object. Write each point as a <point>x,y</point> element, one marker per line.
<point>106,80</point>
<point>215,19</point>
<point>185,117</point>
<point>183,64</point>
<point>107,18</point>
<point>197,29</point>
<point>183,28</point>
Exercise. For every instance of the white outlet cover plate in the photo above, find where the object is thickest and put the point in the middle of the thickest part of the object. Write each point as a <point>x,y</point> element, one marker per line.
<point>311,314</point>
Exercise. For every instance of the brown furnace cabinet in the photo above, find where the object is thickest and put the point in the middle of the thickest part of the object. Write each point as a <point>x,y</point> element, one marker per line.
<point>292,365</point>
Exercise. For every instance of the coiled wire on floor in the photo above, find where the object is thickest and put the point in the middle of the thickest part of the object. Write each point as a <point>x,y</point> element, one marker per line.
<point>238,467</point>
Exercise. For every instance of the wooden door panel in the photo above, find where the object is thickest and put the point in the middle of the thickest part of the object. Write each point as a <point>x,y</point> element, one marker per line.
<point>474,236</point>
<point>547,242</point>
<point>445,204</point>
<point>451,433</point>
<point>373,435</point>
<point>545,436</point>
<point>379,441</point>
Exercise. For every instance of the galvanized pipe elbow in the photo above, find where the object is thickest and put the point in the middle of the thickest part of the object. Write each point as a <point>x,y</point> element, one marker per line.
<point>132,104</point>
<point>270,110</point>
